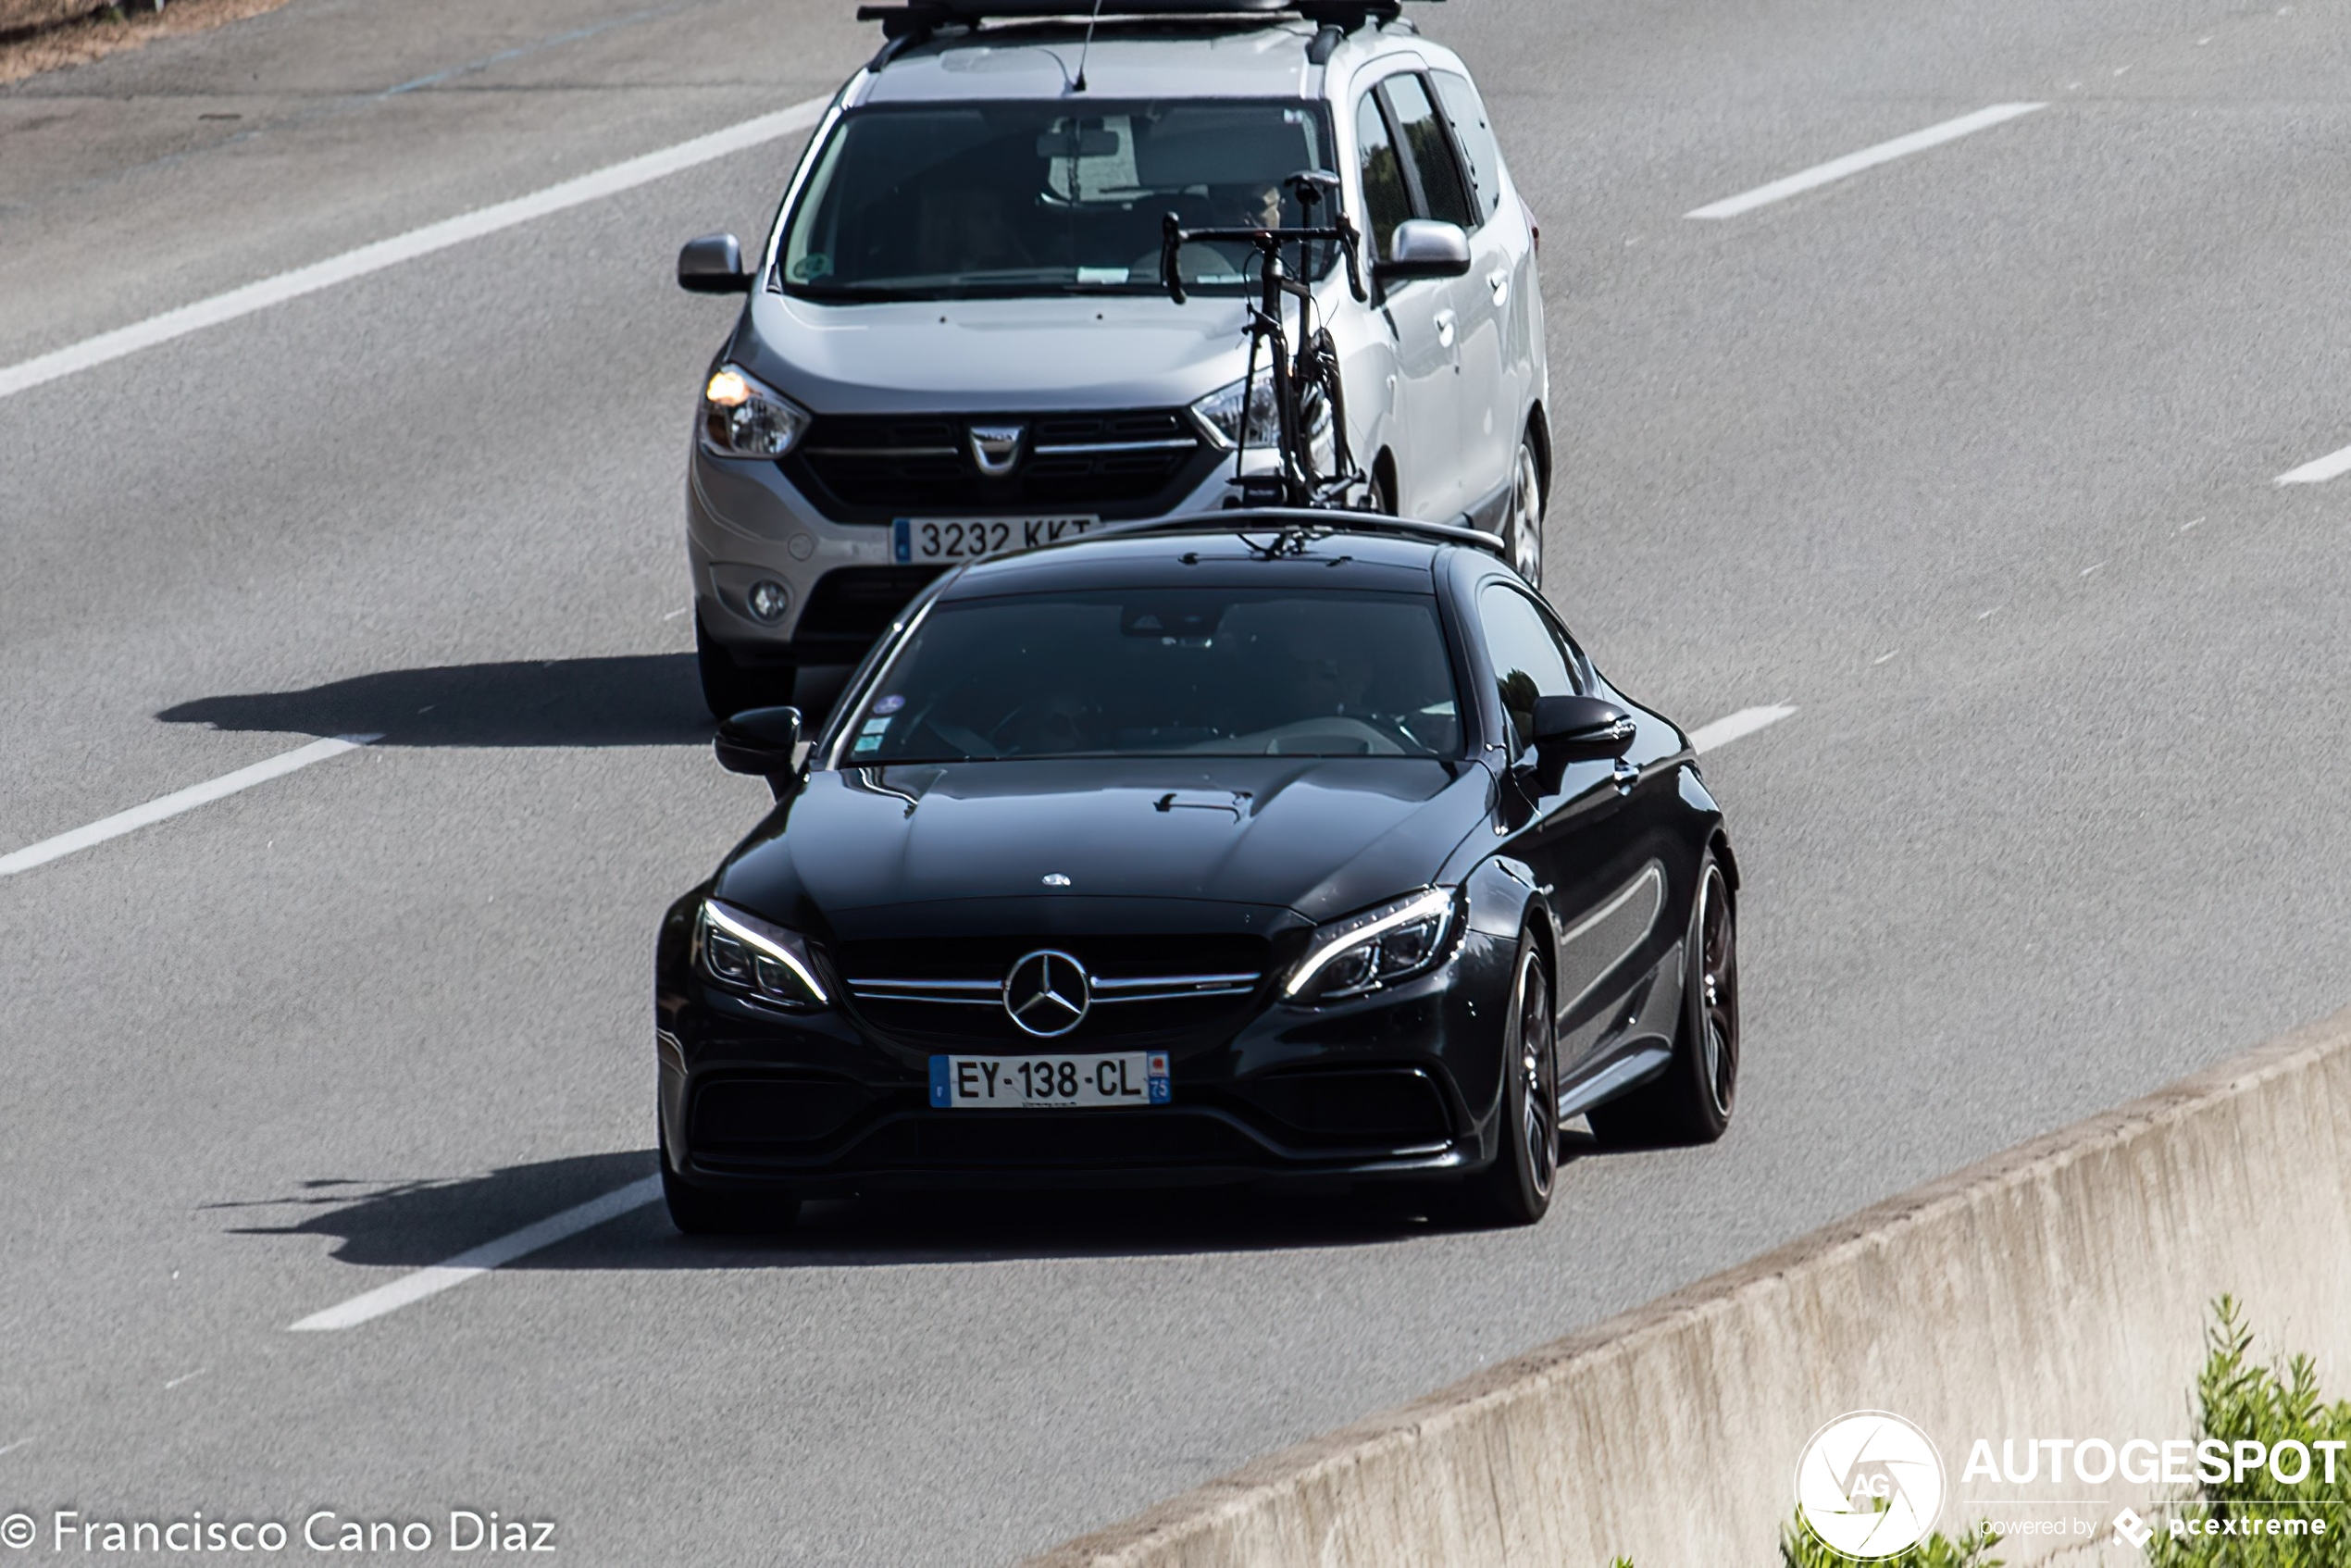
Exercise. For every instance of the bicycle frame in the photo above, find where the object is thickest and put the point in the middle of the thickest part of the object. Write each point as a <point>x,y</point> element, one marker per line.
<point>1315,362</point>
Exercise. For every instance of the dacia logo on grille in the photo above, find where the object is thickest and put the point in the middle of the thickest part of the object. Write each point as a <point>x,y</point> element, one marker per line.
<point>1047,993</point>
<point>996,448</point>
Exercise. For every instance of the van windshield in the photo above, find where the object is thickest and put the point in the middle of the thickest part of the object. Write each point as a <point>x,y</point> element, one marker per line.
<point>930,202</point>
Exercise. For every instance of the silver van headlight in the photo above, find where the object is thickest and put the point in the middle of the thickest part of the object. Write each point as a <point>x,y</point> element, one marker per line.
<point>743,417</point>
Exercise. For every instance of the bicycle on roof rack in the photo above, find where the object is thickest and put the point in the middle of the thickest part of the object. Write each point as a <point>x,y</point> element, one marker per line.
<point>1315,468</point>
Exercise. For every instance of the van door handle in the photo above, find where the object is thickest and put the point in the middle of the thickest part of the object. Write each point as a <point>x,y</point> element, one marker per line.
<point>1499,282</point>
<point>1445,321</point>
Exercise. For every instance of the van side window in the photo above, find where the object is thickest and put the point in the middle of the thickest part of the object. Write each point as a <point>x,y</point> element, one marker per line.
<point>1426,142</point>
<point>1385,204</point>
<point>1474,137</point>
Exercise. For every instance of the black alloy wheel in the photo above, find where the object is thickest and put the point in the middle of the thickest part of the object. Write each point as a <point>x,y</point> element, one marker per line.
<point>1516,1189</point>
<point>1692,1100</point>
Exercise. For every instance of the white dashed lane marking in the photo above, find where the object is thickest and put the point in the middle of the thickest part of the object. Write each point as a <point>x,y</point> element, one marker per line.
<point>173,804</point>
<point>612,180</point>
<point>478,1260</point>
<point>2319,470</point>
<point>1868,157</point>
<point>1732,726</point>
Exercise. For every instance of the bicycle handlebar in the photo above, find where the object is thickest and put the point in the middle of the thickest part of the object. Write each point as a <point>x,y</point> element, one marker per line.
<point>1268,244</point>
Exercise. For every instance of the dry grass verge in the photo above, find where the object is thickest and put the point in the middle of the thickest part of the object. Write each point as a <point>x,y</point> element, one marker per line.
<point>42,35</point>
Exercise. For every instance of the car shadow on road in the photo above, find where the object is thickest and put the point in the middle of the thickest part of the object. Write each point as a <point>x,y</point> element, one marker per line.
<point>626,700</point>
<point>414,1223</point>
<point>631,700</point>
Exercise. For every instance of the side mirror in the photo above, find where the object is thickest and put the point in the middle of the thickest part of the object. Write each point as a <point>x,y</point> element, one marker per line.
<point>759,740</point>
<point>1581,729</point>
<point>713,265</point>
<point>1423,248</point>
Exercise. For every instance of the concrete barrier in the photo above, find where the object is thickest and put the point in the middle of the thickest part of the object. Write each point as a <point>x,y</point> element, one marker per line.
<point>2059,1289</point>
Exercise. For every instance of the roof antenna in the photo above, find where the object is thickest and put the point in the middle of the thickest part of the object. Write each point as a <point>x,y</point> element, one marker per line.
<point>1079,85</point>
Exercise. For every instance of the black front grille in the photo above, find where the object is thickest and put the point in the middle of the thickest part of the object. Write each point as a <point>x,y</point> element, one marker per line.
<point>1351,1105</point>
<point>749,1115</point>
<point>982,1022</point>
<point>871,468</point>
<point>1102,1140</point>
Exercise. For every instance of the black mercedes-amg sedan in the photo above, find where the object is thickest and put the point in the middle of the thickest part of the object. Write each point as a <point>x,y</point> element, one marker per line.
<point>1250,847</point>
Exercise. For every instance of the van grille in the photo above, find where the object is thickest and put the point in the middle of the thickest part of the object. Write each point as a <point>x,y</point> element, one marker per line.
<point>872,468</point>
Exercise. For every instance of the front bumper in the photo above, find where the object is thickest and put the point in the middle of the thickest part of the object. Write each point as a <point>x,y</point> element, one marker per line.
<point>1401,1085</point>
<point>747,522</point>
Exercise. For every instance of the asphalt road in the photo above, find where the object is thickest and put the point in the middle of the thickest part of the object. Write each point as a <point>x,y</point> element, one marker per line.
<point>1970,457</point>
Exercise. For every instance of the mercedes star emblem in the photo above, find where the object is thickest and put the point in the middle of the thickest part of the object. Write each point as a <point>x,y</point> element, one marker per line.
<point>1047,993</point>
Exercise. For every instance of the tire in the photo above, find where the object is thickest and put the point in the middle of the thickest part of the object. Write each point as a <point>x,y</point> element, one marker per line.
<point>697,1211</point>
<point>1691,1102</point>
<point>727,688</point>
<point>1516,1189</point>
<point>1523,522</point>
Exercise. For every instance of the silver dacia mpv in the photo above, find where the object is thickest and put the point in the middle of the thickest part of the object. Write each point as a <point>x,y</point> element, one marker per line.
<point>959,336</point>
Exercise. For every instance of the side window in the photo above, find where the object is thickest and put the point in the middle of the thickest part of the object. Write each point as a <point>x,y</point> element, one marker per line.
<point>1384,202</point>
<point>1431,151</point>
<point>1528,659</point>
<point>1474,137</point>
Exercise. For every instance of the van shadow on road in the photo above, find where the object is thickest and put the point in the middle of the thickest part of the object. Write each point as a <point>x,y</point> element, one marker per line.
<point>626,700</point>
<point>632,700</point>
<point>416,1224</point>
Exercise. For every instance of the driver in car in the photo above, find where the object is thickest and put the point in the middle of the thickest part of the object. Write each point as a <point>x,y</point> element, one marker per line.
<point>1327,677</point>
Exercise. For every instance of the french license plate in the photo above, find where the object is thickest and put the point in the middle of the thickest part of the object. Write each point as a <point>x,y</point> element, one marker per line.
<point>968,538</point>
<point>1048,1083</point>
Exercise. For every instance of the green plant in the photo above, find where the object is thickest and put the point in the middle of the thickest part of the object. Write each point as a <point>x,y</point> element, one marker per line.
<point>2238,1401</point>
<point>1800,1548</point>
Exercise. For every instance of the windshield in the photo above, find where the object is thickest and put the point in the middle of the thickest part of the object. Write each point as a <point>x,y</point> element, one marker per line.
<point>1034,198</point>
<point>1164,672</point>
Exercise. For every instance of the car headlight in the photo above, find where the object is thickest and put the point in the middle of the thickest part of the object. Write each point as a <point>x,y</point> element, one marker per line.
<point>748,954</point>
<point>1365,952</point>
<point>740,417</point>
<point>1220,411</point>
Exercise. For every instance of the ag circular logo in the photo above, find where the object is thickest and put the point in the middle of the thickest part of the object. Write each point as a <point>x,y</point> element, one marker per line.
<point>1869,1485</point>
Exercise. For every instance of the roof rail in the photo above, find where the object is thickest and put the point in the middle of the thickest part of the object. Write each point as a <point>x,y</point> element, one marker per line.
<point>917,19</point>
<point>1296,520</point>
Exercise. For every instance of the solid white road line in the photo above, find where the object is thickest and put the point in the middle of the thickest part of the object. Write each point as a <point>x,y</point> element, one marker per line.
<point>1724,731</point>
<point>123,340</point>
<point>2318,472</point>
<point>1868,157</point>
<point>173,804</point>
<point>482,1259</point>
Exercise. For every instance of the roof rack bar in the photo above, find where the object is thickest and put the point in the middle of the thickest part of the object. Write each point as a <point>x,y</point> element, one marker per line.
<point>1242,519</point>
<point>912,17</point>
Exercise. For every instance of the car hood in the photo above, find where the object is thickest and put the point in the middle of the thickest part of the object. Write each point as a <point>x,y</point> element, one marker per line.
<point>1319,836</point>
<point>1119,351</point>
